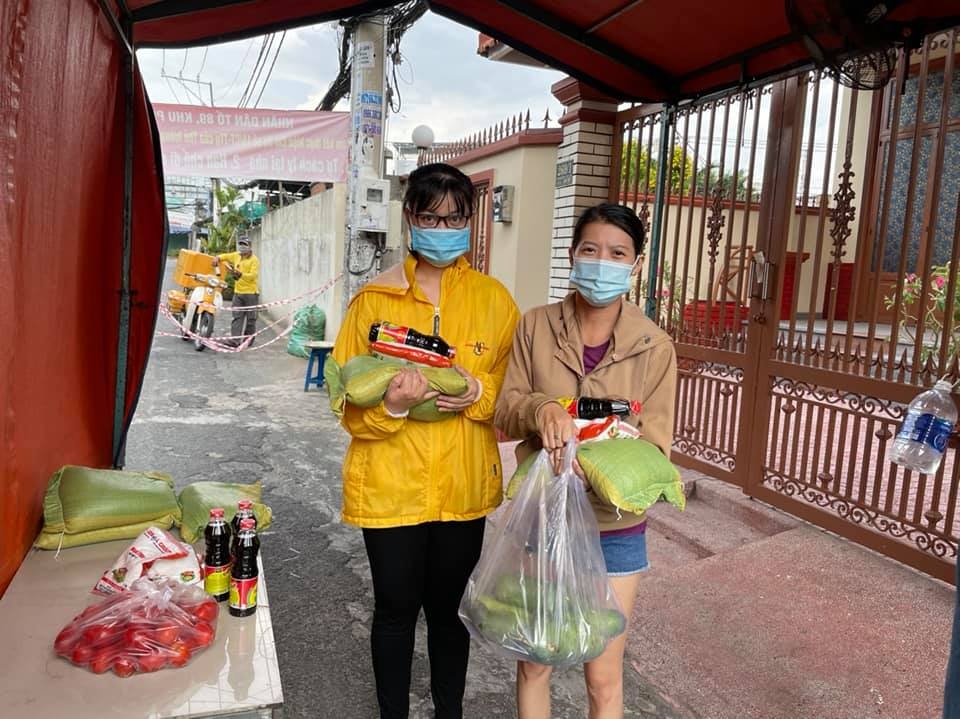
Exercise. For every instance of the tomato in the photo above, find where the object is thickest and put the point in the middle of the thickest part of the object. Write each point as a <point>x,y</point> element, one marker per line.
<point>97,634</point>
<point>102,660</point>
<point>203,633</point>
<point>151,661</point>
<point>82,653</point>
<point>135,635</point>
<point>124,666</point>
<point>181,654</point>
<point>89,611</point>
<point>65,641</point>
<point>164,634</point>
<point>206,611</point>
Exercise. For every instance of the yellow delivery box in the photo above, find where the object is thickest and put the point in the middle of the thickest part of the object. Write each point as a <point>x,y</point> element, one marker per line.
<point>193,263</point>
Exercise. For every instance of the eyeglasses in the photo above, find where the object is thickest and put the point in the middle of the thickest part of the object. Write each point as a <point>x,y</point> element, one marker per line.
<point>454,221</point>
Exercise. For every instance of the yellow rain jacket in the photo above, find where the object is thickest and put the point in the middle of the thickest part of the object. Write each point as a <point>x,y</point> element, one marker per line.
<point>249,283</point>
<point>400,471</point>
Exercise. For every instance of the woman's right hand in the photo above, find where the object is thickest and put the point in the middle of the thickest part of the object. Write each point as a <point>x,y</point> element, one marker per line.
<point>408,388</point>
<point>555,426</point>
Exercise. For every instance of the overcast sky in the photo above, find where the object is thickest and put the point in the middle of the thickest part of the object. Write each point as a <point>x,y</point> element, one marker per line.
<point>442,81</point>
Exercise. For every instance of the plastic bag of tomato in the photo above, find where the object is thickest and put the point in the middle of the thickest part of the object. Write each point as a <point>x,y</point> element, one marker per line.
<point>155,624</point>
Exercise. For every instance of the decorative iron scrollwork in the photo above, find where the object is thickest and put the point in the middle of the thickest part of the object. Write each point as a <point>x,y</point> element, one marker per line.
<point>715,222</point>
<point>692,448</point>
<point>843,213</point>
<point>805,392</point>
<point>924,539</point>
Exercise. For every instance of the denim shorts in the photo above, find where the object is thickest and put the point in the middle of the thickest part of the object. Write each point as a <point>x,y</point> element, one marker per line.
<point>624,554</point>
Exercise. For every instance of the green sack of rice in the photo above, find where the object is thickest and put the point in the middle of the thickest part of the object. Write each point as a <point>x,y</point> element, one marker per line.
<point>309,324</point>
<point>363,381</point>
<point>85,506</point>
<point>197,499</point>
<point>628,473</point>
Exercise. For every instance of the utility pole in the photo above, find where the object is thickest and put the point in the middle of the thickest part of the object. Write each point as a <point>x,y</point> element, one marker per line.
<point>368,195</point>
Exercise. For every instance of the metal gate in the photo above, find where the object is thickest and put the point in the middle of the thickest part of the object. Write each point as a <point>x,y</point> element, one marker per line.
<point>481,223</point>
<point>803,256</point>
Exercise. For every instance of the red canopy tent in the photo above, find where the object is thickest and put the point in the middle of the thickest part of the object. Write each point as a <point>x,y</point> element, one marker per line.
<point>82,217</point>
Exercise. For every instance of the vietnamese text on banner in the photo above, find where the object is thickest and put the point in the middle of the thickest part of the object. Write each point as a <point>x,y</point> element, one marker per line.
<point>255,144</point>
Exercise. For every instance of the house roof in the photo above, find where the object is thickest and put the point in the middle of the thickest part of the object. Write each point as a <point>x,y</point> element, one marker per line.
<point>649,50</point>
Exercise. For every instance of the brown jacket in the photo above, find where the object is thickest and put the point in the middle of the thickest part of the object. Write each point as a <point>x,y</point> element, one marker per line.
<point>547,363</point>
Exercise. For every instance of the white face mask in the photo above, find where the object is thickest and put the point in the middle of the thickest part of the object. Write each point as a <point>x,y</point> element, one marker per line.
<point>601,282</point>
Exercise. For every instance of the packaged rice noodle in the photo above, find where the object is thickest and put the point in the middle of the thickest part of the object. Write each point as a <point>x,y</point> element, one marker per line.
<point>155,554</point>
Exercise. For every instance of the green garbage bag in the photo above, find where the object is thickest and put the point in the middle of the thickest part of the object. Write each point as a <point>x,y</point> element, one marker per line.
<point>309,324</point>
<point>197,499</point>
<point>628,473</point>
<point>363,380</point>
<point>83,505</point>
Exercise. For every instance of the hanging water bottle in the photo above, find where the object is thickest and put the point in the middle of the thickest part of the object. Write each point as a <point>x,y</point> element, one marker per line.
<point>922,438</point>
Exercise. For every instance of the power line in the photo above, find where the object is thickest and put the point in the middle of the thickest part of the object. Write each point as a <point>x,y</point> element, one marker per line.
<point>257,70</point>
<point>202,62</point>
<point>270,71</point>
<point>399,19</point>
<point>240,67</point>
<point>172,90</point>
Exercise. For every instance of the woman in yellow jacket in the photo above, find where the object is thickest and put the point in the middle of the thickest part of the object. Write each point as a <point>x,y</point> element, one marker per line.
<point>592,344</point>
<point>421,490</point>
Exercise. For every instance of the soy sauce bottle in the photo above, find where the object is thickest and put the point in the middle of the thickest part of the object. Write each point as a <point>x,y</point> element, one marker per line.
<point>244,510</point>
<point>389,332</point>
<point>596,408</point>
<point>216,558</point>
<point>245,574</point>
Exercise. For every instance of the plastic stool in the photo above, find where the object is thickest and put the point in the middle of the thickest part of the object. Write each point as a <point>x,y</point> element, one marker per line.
<point>318,354</point>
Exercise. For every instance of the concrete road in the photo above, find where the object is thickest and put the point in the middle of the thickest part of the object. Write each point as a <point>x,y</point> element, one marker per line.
<point>245,417</point>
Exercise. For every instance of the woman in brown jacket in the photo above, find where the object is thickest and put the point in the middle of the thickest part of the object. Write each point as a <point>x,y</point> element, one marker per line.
<point>592,344</point>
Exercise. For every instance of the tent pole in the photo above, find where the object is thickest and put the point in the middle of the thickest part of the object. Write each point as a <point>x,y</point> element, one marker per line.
<point>123,339</point>
<point>664,169</point>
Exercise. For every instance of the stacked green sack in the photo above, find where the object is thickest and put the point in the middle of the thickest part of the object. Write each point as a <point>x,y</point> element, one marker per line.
<point>309,325</point>
<point>86,506</point>
<point>628,473</point>
<point>533,620</point>
<point>363,380</point>
<point>197,499</point>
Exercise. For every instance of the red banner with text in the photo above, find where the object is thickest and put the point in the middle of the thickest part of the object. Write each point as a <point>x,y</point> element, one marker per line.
<point>201,141</point>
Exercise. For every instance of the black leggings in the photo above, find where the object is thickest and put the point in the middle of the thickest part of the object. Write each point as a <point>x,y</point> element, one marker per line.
<point>426,565</point>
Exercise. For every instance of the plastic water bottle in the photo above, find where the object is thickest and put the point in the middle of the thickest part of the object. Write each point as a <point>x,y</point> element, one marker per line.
<point>922,438</point>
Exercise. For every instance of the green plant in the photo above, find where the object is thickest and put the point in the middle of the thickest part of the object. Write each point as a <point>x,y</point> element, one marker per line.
<point>668,293</point>
<point>222,235</point>
<point>635,170</point>
<point>712,175</point>
<point>931,307</point>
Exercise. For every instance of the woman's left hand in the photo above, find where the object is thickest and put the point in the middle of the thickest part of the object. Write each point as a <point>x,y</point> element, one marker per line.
<point>454,403</point>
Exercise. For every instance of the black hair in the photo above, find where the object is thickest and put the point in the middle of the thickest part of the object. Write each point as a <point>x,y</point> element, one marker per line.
<point>620,216</point>
<point>428,185</point>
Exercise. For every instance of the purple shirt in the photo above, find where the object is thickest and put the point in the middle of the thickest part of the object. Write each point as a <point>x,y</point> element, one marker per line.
<point>593,355</point>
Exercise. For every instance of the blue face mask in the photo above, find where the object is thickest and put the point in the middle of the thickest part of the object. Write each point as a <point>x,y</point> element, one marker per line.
<point>601,282</point>
<point>439,247</point>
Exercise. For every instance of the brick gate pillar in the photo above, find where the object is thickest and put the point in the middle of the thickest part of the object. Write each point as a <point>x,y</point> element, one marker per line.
<point>583,168</point>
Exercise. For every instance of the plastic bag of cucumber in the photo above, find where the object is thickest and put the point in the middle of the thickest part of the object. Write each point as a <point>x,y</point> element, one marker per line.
<point>540,592</point>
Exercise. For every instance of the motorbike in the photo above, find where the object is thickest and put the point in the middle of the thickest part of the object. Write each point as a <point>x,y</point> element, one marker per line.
<point>197,312</point>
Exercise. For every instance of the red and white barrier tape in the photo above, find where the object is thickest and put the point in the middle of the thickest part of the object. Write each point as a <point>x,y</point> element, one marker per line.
<point>221,344</point>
